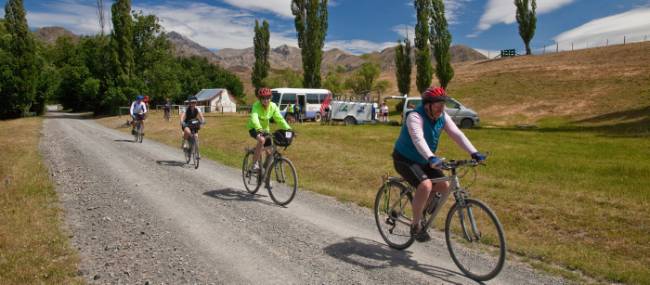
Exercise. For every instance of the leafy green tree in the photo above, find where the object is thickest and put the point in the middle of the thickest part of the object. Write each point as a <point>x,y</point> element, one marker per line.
<point>283,78</point>
<point>334,80</point>
<point>19,90</point>
<point>150,46</point>
<point>403,66</point>
<point>527,19</point>
<point>120,87</point>
<point>423,52</point>
<point>197,73</point>
<point>311,26</point>
<point>262,48</point>
<point>440,39</point>
<point>363,80</point>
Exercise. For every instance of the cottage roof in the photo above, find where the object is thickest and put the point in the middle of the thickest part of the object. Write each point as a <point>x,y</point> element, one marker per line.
<point>208,94</point>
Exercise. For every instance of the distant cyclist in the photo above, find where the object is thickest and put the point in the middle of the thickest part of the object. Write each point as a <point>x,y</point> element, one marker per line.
<point>138,111</point>
<point>191,113</point>
<point>414,154</point>
<point>167,108</point>
<point>258,124</point>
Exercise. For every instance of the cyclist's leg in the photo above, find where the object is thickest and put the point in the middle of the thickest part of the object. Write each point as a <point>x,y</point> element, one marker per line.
<point>187,133</point>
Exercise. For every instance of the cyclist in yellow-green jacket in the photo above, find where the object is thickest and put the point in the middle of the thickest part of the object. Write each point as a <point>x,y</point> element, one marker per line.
<point>258,124</point>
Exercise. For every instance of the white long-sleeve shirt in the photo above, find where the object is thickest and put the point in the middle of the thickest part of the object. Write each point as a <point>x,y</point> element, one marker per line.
<point>414,125</point>
<point>135,107</point>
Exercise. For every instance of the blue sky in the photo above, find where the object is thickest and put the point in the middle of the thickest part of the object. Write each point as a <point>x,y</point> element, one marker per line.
<point>360,26</point>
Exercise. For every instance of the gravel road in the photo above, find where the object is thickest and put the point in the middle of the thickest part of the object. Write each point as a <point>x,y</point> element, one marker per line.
<point>138,216</point>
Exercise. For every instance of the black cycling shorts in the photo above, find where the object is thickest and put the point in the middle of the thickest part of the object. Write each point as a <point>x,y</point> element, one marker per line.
<point>414,173</point>
<point>267,137</point>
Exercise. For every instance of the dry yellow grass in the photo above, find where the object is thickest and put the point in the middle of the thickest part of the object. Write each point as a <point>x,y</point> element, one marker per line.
<point>33,248</point>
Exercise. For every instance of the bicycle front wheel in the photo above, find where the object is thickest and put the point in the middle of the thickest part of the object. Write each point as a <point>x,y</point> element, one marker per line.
<point>393,214</point>
<point>251,178</point>
<point>475,240</point>
<point>196,155</point>
<point>282,181</point>
<point>140,132</point>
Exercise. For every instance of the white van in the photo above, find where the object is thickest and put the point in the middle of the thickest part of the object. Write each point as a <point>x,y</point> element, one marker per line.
<point>463,117</point>
<point>309,99</point>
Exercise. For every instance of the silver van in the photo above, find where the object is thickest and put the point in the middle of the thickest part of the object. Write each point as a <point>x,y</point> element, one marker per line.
<point>463,117</point>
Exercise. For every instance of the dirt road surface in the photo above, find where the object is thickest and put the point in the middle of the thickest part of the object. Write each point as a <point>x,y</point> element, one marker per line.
<point>137,215</point>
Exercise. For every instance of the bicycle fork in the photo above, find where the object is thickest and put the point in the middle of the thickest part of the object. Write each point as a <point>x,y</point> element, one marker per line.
<point>465,216</point>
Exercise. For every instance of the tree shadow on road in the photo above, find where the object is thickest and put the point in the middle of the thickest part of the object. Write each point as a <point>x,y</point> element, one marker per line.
<point>370,255</point>
<point>171,163</point>
<point>230,194</point>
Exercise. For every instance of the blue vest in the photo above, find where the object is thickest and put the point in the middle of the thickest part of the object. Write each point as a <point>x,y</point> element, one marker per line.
<point>432,130</point>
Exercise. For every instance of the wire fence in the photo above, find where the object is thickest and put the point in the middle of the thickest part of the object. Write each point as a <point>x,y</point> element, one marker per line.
<point>539,48</point>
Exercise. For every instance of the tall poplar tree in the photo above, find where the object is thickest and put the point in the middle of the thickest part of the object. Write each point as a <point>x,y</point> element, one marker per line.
<point>423,52</point>
<point>121,54</point>
<point>19,91</point>
<point>440,39</point>
<point>527,19</point>
<point>311,26</point>
<point>261,48</point>
<point>403,66</point>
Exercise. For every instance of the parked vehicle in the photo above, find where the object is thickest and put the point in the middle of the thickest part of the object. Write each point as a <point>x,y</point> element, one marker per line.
<point>353,113</point>
<point>309,100</point>
<point>463,117</point>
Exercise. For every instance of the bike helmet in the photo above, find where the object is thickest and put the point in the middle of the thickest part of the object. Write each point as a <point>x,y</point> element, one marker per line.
<point>264,92</point>
<point>192,99</point>
<point>139,98</point>
<point>283,137</point>
<point>434,94</point>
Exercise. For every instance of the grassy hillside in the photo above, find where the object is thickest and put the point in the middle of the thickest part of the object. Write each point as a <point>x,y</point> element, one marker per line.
<point>609,85</point>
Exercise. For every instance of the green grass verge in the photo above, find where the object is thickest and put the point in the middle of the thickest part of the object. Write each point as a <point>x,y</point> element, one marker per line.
<point>33,248</point>
<point>576,197</point>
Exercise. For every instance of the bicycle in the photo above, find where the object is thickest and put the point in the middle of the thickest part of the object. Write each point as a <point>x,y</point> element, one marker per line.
<point>278,173</point>
<point>471,227</point>
<point>192,151</point>
<point>139,128</point>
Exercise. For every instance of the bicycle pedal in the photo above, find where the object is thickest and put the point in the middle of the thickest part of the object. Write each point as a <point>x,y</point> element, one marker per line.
<point>390,222</point>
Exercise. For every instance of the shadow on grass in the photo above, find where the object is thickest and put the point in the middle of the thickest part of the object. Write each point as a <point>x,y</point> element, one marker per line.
<point>370,255</point>
<point>230,194</point>
<point>171,163</point>
<point>633,123</point>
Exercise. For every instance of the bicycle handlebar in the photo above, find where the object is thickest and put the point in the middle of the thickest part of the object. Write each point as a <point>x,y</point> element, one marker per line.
<point>453,164</point>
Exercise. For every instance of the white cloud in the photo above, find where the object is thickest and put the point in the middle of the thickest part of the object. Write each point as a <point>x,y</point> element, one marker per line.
<point>73,15</point>
<point>633,25</point>
<point>504,11</point>
<point>405,30</point>
<point>279,7</point>
<point>453,9</point>
<point>358,46</point>
<point>213,27</point>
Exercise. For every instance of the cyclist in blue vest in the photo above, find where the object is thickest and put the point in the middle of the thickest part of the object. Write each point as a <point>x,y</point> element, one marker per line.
<point>414,155</point>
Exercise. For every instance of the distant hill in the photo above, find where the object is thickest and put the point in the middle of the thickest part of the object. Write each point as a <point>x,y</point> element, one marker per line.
<point>185,47</point>
<point>49,35</point>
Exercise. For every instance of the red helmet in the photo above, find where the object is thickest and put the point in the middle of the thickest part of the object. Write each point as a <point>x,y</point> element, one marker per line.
<point>264,92</point>
<point>434,94</point>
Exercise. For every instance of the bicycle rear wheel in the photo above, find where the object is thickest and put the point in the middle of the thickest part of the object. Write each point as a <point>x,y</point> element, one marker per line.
<point>251,178</point>
<point>282,181</point>
<point>475,240</point>
<point>393,214</point>
<point>140,132</point>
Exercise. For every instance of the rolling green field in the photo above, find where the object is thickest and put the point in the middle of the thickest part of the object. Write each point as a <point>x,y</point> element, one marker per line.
<point>33,247</point>
<point>567,195</point>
